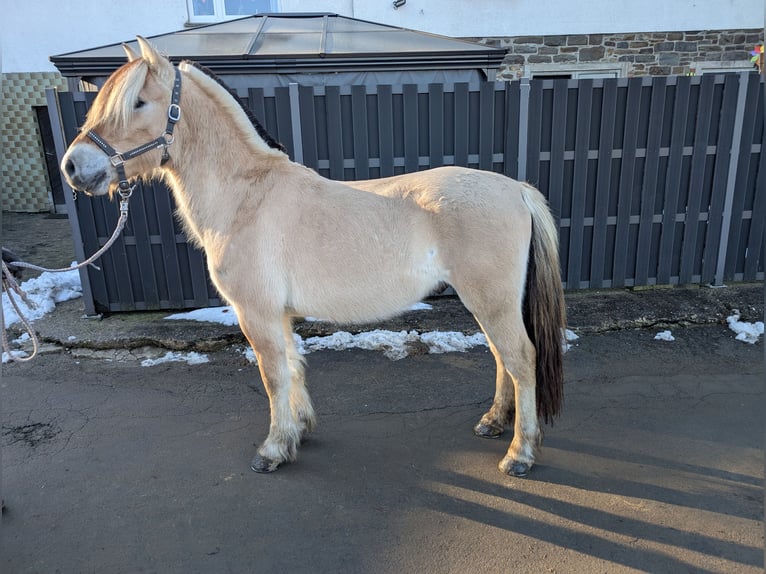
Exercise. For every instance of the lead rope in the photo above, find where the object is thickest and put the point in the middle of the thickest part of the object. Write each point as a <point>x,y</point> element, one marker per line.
<point>10,286</point>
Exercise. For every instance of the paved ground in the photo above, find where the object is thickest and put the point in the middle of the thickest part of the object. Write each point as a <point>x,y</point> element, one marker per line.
<point>656,464</point>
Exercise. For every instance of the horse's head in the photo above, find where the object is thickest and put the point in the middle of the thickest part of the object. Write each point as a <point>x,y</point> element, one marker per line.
<point>129,114</point>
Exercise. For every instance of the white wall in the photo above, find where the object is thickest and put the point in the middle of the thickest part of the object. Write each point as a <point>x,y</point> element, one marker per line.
<point>33,30</point>
<point>539,17</point>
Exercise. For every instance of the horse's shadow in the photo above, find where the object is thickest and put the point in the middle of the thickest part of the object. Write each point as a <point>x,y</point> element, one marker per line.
<point>576,523</point>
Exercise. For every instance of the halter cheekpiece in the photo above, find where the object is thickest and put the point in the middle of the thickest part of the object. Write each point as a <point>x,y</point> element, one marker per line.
<point>118,159</point>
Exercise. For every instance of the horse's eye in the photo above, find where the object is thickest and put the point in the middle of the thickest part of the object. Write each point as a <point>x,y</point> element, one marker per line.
<point>139,103</point>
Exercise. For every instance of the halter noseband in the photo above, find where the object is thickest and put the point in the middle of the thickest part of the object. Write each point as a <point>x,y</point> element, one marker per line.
<point>118,159</point>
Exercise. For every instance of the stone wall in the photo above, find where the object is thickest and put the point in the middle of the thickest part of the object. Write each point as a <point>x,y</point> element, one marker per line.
<point>639,54</point>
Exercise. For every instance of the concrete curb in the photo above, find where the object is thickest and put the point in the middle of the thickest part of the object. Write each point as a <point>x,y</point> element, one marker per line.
<point>588,312</point>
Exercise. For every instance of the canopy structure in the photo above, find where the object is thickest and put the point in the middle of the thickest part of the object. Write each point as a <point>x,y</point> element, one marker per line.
<point>292,43</point>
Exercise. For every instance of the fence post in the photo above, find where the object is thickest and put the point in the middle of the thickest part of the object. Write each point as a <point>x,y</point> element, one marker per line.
<point>295,121</point>
<point>523,128</point>
<point>731,180</point>
<point>59,140</point>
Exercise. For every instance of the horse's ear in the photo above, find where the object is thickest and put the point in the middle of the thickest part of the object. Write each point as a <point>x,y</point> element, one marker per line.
<point>150,54</point>
<point>132,54</point>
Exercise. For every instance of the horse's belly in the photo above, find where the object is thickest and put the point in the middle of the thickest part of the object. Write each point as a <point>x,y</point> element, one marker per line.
<point>360,291</point>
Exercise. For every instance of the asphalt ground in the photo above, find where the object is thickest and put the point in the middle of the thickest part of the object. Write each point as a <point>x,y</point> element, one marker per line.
<point>656,464</point>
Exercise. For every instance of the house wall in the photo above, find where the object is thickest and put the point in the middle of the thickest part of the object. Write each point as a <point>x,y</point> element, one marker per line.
<point>23,171</point>
<point>637,54</point>
<point>555,17</point>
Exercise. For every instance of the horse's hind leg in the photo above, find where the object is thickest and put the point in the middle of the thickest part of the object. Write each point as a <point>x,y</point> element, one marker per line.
<point>300,402</point>
<point>494,421</point>
<point>516,353</point>
<point>267,337</point>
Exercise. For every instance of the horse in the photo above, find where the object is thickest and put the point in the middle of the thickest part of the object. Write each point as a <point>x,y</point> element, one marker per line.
<point>281,242</point>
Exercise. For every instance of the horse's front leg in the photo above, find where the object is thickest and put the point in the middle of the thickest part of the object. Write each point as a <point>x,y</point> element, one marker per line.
<point>286,429</point>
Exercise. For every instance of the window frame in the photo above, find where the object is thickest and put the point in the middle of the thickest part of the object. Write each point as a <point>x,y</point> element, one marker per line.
<point>577,71</point>
<point>219,14</point>
<point>720,67</point>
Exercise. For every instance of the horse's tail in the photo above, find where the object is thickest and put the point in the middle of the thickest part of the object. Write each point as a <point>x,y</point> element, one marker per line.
<point>544,305</point>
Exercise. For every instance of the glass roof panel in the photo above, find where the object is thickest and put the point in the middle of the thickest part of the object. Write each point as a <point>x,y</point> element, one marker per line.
<point>283,44</point>
<point>393,41</point>
<point>293,25</point>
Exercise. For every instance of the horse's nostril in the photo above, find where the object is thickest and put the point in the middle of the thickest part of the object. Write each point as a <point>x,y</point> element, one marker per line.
<point>69,167</point>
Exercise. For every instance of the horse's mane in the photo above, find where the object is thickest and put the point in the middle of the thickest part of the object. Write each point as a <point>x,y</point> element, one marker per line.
<point>114,104</point>
<point>265,136</point>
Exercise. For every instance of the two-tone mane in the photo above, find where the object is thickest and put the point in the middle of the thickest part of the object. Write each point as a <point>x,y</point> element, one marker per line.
<point>265,135</point>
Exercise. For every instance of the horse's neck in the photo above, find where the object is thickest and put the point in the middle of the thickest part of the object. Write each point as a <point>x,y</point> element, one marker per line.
<point>213,169</point>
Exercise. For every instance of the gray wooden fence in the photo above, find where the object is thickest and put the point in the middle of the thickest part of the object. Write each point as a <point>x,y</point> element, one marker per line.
<point>654,181</point>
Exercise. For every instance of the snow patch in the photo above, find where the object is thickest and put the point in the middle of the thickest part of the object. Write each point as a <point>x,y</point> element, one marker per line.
<point>222,315</point>
<point>191,358</point>
<point>664,336</point>
<point>747,332</point>
<point>43,292</point>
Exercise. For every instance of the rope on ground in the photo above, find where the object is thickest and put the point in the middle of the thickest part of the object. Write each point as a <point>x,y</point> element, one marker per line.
<point>11,286</point>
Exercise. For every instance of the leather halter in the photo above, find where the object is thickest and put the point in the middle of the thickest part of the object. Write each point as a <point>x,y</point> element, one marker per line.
<point>118,159</point>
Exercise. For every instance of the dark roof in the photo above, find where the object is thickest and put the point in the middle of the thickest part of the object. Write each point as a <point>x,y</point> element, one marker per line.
<point>287,42</point>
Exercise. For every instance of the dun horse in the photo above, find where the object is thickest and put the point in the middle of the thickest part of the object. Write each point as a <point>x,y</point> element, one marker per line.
<point>281,242</point>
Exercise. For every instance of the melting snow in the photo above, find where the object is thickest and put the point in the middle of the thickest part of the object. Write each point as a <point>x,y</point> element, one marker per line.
<point>43,292</point>
<point>173,357</point>
<point>747,332</point>
<point>664,336</point>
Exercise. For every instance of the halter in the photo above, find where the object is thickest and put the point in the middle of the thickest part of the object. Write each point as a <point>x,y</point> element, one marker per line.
<point>118,159</point>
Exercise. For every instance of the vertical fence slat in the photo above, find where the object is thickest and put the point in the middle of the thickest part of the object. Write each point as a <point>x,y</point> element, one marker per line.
<point>699,160</point>
<point>334,131</point>
<point>750,83</point>
<point>579,183</point>
<point>721,173</point>
<point>651,175</point>
<point>385,132</point>
<point>486,124</point>
<point>361,142</point>
<point>199,276</point>
<point>435,125</point>
<point>146,274</point>
<point>756,239</point>
<point>284,126</point>
<point>461,124</point>
<point>411,135</point>
<point>119,256</point>
<point>534,133</point>
<point>308,127</point>
<point>165,208</point>
<point>512,117</point>
<point>627,172</point>
<point>603,183</point>
<point>558,145</point>
<point>673,181</point>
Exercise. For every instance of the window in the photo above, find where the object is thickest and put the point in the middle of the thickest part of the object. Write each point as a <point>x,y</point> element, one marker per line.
<point>206,11</point>
<point>700,68</point>
<point>575,71</point>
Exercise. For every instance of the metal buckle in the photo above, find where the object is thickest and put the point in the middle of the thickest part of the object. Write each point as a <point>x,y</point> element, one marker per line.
<point>117,160</point>
<point>174,112</point>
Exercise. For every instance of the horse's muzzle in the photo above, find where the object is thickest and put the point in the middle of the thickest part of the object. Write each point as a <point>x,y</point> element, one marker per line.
<point>86,170</point>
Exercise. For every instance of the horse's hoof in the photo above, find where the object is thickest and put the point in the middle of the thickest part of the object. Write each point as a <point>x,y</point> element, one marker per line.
<point>263,465</point>
<point>517,469</point>
<point>485,430</point>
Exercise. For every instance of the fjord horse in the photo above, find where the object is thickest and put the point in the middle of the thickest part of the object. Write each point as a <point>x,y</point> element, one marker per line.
<point>282,242</point>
